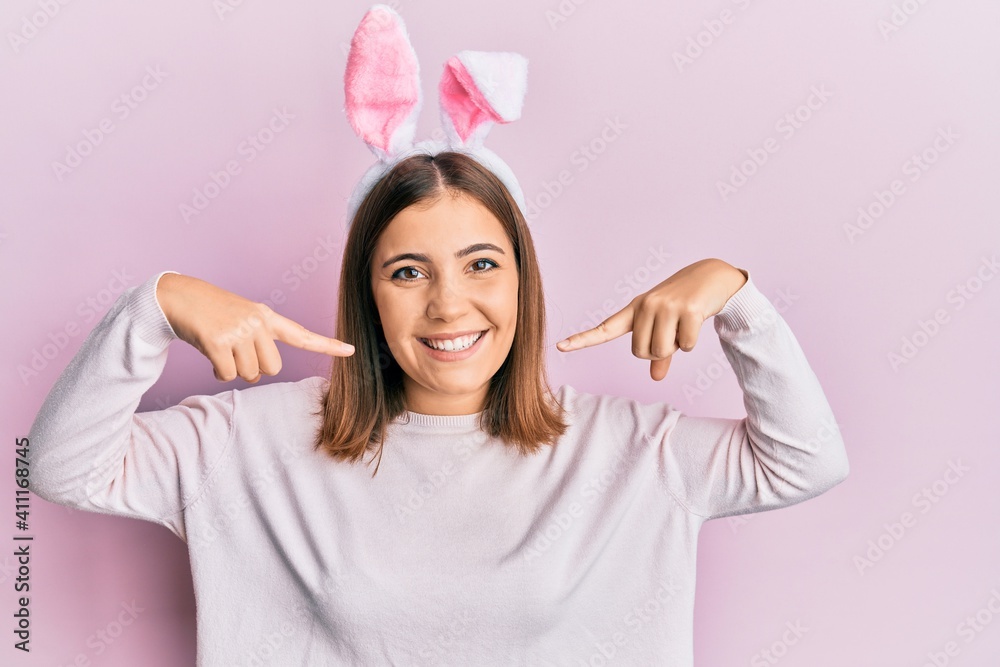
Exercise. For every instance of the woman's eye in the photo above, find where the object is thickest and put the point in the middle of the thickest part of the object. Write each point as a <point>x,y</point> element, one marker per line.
<point>492,264</point>
<point>403,270</point>
<point>402,274</point>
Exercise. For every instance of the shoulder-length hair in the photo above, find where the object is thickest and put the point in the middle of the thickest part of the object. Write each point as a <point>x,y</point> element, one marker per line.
<point>366,389</point>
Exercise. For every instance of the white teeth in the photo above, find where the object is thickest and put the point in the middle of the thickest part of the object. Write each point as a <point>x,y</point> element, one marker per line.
<point>453,345</point>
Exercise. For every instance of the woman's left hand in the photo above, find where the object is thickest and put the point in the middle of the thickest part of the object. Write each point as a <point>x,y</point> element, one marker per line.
<point>669,316</point>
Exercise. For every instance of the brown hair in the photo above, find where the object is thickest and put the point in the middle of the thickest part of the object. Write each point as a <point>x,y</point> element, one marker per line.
<point>366,388</point>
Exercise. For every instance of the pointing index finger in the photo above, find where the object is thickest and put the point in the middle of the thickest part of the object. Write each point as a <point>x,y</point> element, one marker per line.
<point>294,334</point>
<point>617,325</point>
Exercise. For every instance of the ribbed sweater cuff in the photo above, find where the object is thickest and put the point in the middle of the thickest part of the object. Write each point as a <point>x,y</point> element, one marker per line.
<point>744,308</point>
<point>147,315</point>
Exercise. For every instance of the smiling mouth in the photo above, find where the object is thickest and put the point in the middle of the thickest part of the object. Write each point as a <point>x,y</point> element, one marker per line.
<point>456,345</point>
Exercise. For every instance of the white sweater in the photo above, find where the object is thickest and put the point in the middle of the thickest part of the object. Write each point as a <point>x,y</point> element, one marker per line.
<point>458,551</point>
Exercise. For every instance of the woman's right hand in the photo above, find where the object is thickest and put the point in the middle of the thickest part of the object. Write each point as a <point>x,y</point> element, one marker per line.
<point>236,334</point>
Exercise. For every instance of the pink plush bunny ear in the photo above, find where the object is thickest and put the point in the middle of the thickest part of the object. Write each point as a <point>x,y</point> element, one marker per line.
<point>382,84</point>
<point>479,89</point>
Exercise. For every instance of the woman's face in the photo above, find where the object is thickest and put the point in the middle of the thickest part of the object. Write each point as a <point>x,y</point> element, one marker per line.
<point>445,270</point>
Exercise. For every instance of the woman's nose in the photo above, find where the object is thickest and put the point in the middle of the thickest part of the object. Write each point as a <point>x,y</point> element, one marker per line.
<point>445,297</point>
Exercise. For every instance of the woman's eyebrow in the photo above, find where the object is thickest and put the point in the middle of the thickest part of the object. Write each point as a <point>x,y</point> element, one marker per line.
<point>419,257</point>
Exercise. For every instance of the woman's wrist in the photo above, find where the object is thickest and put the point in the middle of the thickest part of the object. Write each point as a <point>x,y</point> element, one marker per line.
<point>165,287</point>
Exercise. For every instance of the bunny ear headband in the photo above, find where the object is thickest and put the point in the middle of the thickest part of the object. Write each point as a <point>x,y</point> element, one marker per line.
<point>383,99</point>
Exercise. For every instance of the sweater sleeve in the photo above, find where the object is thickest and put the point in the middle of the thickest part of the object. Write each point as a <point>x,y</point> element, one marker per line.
<point>787,449</point>
<point>88,447</point>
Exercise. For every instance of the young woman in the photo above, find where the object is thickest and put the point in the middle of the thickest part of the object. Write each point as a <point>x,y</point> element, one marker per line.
<point>432,501</point>
<point>503,524</point>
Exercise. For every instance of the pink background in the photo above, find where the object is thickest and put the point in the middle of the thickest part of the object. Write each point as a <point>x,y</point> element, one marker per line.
<point>670,135</point>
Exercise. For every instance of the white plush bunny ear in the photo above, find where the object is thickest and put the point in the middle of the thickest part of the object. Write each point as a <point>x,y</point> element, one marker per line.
<point>479,89</point>
<point>382,84</point>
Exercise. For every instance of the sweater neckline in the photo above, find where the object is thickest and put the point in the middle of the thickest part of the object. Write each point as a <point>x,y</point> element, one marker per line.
<point>421,419</point>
